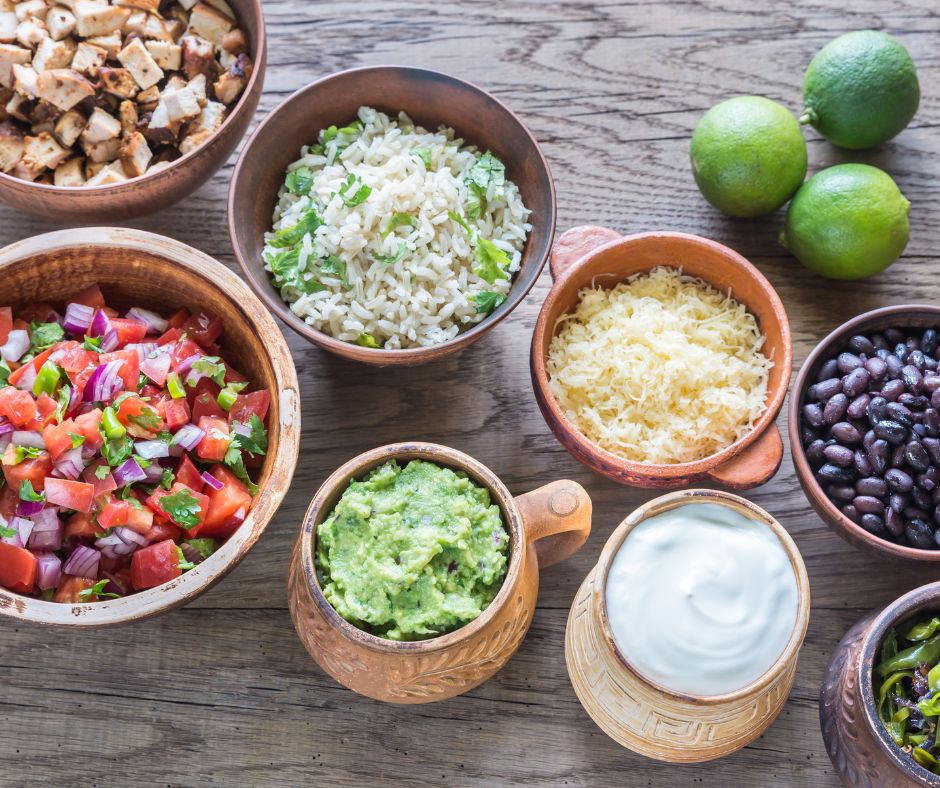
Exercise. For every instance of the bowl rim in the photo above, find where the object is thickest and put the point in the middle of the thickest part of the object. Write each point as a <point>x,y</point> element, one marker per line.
<point>583,446</point>
<point>259,63</point>
<point>751,511</point>
<point>915,601</point>
<point>322,505</point>
<point>153,601</point>
<point>380,356</point>
<point>825,508</point>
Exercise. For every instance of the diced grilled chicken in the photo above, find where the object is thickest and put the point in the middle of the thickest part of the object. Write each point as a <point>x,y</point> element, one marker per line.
<point>24,81</point>
<point>166,55</point>
<point>70,173</point>
<point>112,173</point>
<point>208,23</point>
<point>230,85</point>
<point>203,127</point>
<point>8,25</point>
<point>97,19</point>
<point>60,22</point>
<point>135,155</point>
<point>150,6</point>
<point>128,117</point>
<point>88,59</point>
<point>31,32</point>
<point>111,43</point>
<point>29,9</point>
<point>45,151</point>
<point>198,57</point>
<point>53,54</point>
<point>20,107</point>
<point>11,55</point>
<point>44,114</point>
<point>69,127</point>
<point>64,87</point>
<point>102,151</point>
<point>11,145</point>
<point>118,81</point>
<point>235,42</point>
<point>101,127</point>
<point>141,65</point>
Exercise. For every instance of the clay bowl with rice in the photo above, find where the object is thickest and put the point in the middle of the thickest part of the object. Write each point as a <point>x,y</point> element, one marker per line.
<point>598,260</point>
<point>396,243</point>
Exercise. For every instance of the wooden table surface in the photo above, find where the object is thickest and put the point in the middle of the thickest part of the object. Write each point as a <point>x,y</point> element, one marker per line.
<point>222,691</point>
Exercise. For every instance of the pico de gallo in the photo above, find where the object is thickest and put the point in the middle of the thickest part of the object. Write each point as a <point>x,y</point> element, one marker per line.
<point>127,446</point>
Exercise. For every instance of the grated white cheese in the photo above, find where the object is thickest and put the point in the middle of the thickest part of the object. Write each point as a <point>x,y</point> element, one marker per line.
<point>660,369</point>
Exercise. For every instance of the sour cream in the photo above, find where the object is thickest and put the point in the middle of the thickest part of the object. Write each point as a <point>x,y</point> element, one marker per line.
<point>701,599</point>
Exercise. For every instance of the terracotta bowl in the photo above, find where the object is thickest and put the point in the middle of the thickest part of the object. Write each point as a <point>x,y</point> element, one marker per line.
<point>587,255</point>
<point>646,717</point>
<point>545,526</point>
<point>431,99</point>
<point>902,316</point>
<point>857,743</point>
<point>153,192</point>
<point>139,268</point>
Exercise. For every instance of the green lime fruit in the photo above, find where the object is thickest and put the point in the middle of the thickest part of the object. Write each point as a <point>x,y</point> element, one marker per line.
<point>748,156</point>
<point>860,90</point>
<point>847,222</point>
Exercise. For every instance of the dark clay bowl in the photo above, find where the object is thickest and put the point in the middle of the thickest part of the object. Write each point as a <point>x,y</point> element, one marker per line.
<point>431,99</point>
<point>858,745</point>
<point>902,316</point>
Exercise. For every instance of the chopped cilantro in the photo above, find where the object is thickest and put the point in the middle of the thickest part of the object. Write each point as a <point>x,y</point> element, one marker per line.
<point>423,154</point>
<point>97,591</point>
<point>290,236</point>
<point>462,222</point>
<point>392,259</point>
<point>491,261</point>
<point>27,493</point>
<point>167,478</point>
<point>285,267</point>
<point>236,463</point>
<point>117,450</point>
<point>354,192</point>
<point>77,440</point>
<point>486,171</point>
<point>92,343</point>
<point>43,336</point>
<point>399,219</point>
<point>147,418</point>
<point>299,181</point>
<point>211,367</point>
<point>257,442</point>
<point>7,533</point>
<point>4,373</point>
<point>206,547</point>
<point>101,472</point>
<point>21,453</point>
<point>487,301</point>
<point>182,507</point>
<point>334,266</point>
<point>367,340</point>
<point>62,403</point>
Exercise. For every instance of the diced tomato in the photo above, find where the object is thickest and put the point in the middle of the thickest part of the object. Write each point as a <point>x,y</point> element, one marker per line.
<point>206,406</point>
<point>130,369</point>
<point>6,323</point>
<point>57,438</point>
<point>46,407</point>
<point>216,441</point>
<point>176,413</point>
<point>204,327</point>
<point>227,507</point>
<point>155,565</point>
<point>17,568</point>
<point>188,474</point>
<point>171,335</point>
<point>164,529</point>
<point>178,318</point>
<point>81,525</point>
<point>90,296</point>
<point>78,363</point>
<point>154,503</point>
<point>113,512</point>
<point>18,406</point>
<point>34,470</point>
<point>140,519</point>
<point>257,403</point>
<point>71,587</point>
<point>9,500</point>
<point>232,375</point>
<point>134,407</point>
<point>86,425</point>
<point>128,331</point>
<point>38,311</point>
<point>183,350</point>
<point>36,364</point>
<point>78,496</point>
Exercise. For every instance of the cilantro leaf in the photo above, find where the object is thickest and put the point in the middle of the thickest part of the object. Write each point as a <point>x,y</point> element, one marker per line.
<point>334,266</point>
<point>77,440</point>
<point>487,301</point>
<point>182,507</point>
<point>399,219</point>
<point>211,367</point>
<point>486,171</point>
<point>182,563</point>
<point>206,547</point>
<point>353,198</point>
<point>286,269</point>
<point>392,259</point>
<point>62,403</point>
<point>290,236</point>
<point>147,418</point>
<point>257,442</point>
<point>423,154</point>
<point>27,493</point>
<point>491,261</point>
<point>236,463</point>
<point>21,453</point>
<point>117,450</point>
<point>299,181</point>
<point>4,373</point>
<point>8,533</point>
<point>167,478</point>
<point>43,336</point>
<point>92,343</point>
<point>462,222</point>
<point>97,591</point>
<point>101,472</point>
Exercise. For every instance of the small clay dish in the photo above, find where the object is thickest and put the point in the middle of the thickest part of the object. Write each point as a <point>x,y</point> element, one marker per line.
<point>545,526</point>
<point>136,268</point>
<point>431,99</point>
<point>914,316</point>
<point>856,740</point>
<point>588,256</point>
<point>646,717</point>
<point>153,191</point>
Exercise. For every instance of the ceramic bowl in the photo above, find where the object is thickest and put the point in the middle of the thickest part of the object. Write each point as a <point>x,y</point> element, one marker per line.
<point>646,717</point>
<point>902,316</point>
<point>586,255</point>
<point>139,268</point>
<point>545,526</point>
<point>857,743</point>
<point>431,99</point>
<point>155,191</point>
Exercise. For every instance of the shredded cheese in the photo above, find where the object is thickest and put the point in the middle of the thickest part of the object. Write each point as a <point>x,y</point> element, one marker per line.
<point>660,369</point>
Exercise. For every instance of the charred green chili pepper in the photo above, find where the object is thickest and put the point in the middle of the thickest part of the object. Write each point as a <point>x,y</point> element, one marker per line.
<point>927,651</point>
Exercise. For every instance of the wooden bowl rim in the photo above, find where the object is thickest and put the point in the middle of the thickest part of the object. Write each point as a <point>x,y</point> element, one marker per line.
<point>152,601</point>
<point>751,511</point>
<point>675,471</point>
<point>827,510</point>
<point>379,356</point>
<point>259,39</point>
<point>914,601</point>
<point>330,491</point>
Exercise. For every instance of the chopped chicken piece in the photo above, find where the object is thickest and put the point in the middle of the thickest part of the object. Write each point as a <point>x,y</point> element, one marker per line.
<point>11,145</point>
<point>5,95</point>
<point>168,56</point>
<point>233,80</point>
<point>69,127</point>
<point>208,23</point>
<point>101,127</point>
<point>135,155</point>
<point>95,19</point>
<point>147,99</point>
<point>10,56</point>
<point>198,57</point>
<point>148,26</point>
<point>118,81</point>
<point>60,22</point>
<point>44,151</point>
<point>64,87</point>
<point>20,107</point>
<point>235,42</point>
<point>111,44</point>
<point>128,117</point>
<point>113,173</point>
<point>27,171</point>
<point>174,29</point>
<point>89,58</point>
<point>141,65</point>
<point>150,6</point>
<point>102,151</point>
<point>53,54</point>
<point>92,168</point>
<point>31,32</point>
<point>8,25</point>
<point>29,9</point>
<point>70,173</point>
<point>174,83</point>
<point>203,127</point>
<point>24,81</point>
<point>175,108</point>
<point>224,7</point>
<point>44,113</point>
<point>198,86</point>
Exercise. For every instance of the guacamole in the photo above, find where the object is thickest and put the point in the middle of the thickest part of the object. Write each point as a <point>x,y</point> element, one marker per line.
<point>411,553</point>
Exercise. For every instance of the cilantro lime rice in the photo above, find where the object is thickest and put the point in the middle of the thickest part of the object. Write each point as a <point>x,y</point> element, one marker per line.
<point>389,235</point>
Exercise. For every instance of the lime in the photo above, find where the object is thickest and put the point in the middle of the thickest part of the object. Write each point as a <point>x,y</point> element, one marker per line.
<point>847,222</point>
<point>860,90</point>
<point>748,156</point>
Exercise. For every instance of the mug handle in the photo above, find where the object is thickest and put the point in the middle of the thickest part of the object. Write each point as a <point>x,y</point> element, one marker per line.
<point>556,519</point>
<point>575,243</point>
<point>753,466</point>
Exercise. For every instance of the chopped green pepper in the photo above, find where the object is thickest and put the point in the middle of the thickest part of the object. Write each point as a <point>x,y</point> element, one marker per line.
<point>112,427</point>
<point>47,380</point>
<point>175,386</point>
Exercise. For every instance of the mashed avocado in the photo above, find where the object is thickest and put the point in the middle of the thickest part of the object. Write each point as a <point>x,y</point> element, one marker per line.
<point>412,553</point>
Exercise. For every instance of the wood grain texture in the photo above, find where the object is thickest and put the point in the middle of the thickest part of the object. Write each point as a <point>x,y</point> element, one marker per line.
<point>223,691</point>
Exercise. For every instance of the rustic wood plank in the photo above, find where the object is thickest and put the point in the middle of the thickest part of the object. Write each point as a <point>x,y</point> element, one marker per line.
<point>222,692</point>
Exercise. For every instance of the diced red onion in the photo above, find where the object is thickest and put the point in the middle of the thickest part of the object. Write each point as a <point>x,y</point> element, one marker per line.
<point>24,527</point>
<point>83,562</point>
<point>152,450</point>
<point>26,380</point>
<point>240,514</point>
<point>129,473</point>
<point>209,479</point>
<point>110,341</point>
<point>14,538</point>
<point>188,436</point>
<point>47,531</point>
<point>130,536</point>
<point>186,364</point>
<point>155,324</point>
<point>154,473</point>
<point>48,570</point>
<point>104,382</point>
<point>242,429</point>
<point>102,486</point>
<point>71,463</point>
<point>100,324</point>
<point>75,400</point>
<point>156,366</point>
<point>28,508</point>
<point>112,546</point>
<point>5,440</point>
<point>28,438</point>
<point>78,318</point>
<point>53,317</point>
<point>16,345</point>
<point>115,584</point>
<point>5,426</point>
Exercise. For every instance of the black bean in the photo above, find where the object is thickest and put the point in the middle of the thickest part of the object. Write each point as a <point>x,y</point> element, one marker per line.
<point>897,459</point>
<point>861,344</point>
<point>932,422</point>
<point>841,492</point>
<point>931,382</point>
<point>932,445</point>
<point>894,522</point>
<point>930,363</point>
<point>915,513</point>
<point>899,501</point>
<point>892,389</point>
<point>893,336</point>
<point>889,430</point>
<point>897,412</point>
<point>814,452</point>
<point>807,434</point>
<point>835,408</point>
<point>876,368</point>
<point>851,512</point>
<point>917,456</point>
<point>833,474</point>
<point>862,465</point>
<point>874,524</point>
<point>878,456</point>
<point>935,399</point>
<point>829,369</point>
<point>872,485</point>
<point>847,434</point>
<point>901,350</point>
<point>897,480</point>
<point>856,382</point>
<point>920,534</point>
<point>912,377</point>
<point>921,498</point>
<point>824,389</point>
<point>928,341</point>
<point>913,401</point>
<point>894,364</point>
<point>813,414</point>
<point>868,439</point>
<point>846,362</point>
<point>882,353</point>
<point>877,408</point>
<point>858,407</point>
<point>929,479</point>
<point>917,359</point>
<point>867,504</point>
<point>838,455</point>
<point>919,430</point>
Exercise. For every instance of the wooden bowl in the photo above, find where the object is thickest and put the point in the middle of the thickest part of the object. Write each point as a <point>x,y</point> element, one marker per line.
<point>587,255</point>
<point>431,99</point>
<point>545,526</point>
<point>646,717</point>
<point>901,316</point>
<point>155,191</point>
<point>139,268</point>
<point>858,745</point>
